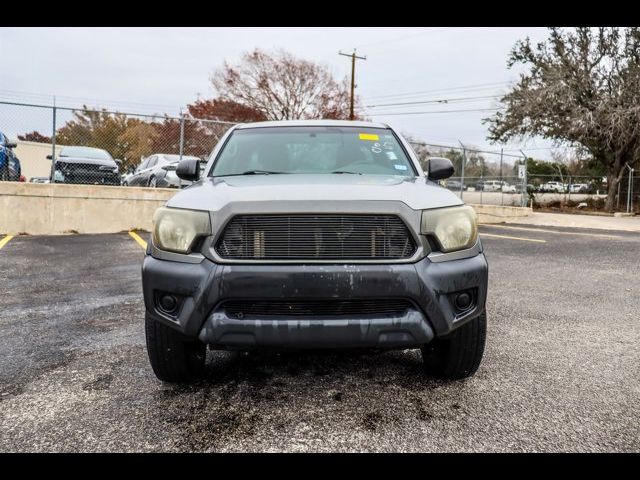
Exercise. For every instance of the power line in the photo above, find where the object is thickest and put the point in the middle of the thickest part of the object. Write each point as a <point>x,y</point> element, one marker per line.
<point>444,100</point>
<point>480,86</point>
<point>433,111</point>
<point>21,94</point>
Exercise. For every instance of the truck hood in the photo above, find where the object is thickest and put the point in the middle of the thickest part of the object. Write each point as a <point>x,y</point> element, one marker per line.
<point>214,193</point>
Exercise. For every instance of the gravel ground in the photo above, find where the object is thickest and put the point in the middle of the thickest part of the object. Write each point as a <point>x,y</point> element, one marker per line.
<point>560,371</point>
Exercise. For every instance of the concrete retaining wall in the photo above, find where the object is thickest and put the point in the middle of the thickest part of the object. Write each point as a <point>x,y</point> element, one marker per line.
<point>50,209</point>
<point>499,214</point>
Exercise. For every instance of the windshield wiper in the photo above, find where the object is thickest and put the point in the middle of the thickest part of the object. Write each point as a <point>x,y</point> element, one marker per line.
<point>253,172</point>
<point>344,171</point>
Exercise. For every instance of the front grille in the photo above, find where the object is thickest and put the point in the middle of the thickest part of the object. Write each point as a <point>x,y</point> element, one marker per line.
<point>316,237</point>
<point>241,309</point>
<point>84,167</point>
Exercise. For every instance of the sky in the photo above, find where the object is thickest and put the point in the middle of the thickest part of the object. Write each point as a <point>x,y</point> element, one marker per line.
<point>160,70</point>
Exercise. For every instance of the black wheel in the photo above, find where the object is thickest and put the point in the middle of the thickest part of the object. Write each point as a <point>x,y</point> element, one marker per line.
<point>457,355</point>
<point>174,358</point>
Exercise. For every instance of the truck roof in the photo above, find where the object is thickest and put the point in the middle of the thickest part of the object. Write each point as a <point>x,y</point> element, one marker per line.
<point>313,123</point>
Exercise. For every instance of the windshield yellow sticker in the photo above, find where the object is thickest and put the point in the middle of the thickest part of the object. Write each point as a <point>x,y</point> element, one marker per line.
<point>369,136</point>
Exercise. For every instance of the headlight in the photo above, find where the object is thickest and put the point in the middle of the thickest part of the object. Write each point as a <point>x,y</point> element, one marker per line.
<point>455,228</point>
<point>175,229</point>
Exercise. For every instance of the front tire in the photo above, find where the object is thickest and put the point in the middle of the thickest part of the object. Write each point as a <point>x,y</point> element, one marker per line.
<point>459,354</point>
<point>173,357</point>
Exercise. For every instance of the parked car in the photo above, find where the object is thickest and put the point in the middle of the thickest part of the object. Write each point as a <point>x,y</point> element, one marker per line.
<point>10,168</point>
<point>506,188</point>
<point>305,234</point>
<point>85,165</point>
<point>579,188</point>
<point>127,177</point>
<point>455,185</point>
<point>156,171</point>
<point>490,185</point>
<point>555,187</point>
<point>530,188</point>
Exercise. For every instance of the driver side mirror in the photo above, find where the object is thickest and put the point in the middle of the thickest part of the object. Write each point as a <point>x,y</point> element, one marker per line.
<point>188,169</point>
<point>439,168</point>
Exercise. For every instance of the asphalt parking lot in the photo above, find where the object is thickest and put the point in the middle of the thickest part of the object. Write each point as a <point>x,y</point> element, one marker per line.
<point>560,373</point>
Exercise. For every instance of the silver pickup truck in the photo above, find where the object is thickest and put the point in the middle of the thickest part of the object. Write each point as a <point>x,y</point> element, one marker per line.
<point>314,234</point>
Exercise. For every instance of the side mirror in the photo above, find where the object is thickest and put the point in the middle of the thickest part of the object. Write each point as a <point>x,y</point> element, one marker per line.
<point>11,144</point>
<point>118,161</point>
<point>188,169</point>
<point>439,168</point>
<point>49,157</point>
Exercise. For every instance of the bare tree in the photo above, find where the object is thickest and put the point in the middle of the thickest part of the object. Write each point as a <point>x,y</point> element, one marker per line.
<point>582,89</point>
<point>282,87</point>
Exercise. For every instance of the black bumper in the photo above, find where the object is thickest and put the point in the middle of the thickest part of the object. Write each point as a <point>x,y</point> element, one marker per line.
<point>201,289</point>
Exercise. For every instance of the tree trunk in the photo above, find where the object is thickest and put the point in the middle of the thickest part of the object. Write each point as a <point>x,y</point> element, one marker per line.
<point>612,186</point>
<point>614,175</point>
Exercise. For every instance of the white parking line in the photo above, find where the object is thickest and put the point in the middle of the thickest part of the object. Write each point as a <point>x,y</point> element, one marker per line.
<point>509,237</point>
<point>526,229</point>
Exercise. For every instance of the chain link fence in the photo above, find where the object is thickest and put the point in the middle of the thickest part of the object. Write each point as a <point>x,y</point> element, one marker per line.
<point>628,199</point>
<point>90,146</point>
<point>101,147</point>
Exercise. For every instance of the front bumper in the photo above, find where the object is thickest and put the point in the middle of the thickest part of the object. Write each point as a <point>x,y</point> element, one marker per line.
<point>202,287</point>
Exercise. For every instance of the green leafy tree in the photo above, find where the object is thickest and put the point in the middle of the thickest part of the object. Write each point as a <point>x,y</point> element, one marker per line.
<point>581,88</point>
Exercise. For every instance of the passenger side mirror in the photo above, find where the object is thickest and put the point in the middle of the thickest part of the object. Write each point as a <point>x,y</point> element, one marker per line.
<point>188,169</point>
<point>439,168</point>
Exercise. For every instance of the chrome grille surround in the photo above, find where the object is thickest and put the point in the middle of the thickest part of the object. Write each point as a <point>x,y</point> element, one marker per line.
<point>222,217</point>
<point>315,237</point>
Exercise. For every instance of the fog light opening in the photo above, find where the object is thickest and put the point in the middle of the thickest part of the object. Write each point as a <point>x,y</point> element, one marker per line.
<point>168,303</point>
<point>463,301</point>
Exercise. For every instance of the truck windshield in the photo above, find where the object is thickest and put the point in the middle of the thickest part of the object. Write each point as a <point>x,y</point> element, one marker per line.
<point>321,150</point>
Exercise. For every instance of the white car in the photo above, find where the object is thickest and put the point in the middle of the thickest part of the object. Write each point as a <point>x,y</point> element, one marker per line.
<point>578,188</point>
<point>506,188</point>
<point>492,185</point>
<point>556,187</point>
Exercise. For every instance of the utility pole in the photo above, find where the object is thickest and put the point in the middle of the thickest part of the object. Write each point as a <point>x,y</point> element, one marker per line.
<point>353,77</point>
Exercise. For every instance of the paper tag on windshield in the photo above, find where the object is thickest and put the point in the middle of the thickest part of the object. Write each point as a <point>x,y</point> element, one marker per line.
<point>400,167</point>
<point>369,136</point>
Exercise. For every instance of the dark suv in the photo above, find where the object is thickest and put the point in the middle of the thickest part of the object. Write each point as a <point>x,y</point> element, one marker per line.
<point>85,165</point>
<point>314,234</point>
